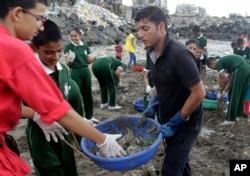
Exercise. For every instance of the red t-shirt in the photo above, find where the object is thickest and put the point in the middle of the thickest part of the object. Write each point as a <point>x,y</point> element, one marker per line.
<point>118,50</point>
<point>22,78</point>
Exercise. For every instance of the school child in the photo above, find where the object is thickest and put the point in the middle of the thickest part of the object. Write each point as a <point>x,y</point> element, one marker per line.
<point>118,49</point>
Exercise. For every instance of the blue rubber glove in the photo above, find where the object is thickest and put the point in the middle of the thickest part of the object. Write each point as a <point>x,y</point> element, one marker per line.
<point>172,125</point>
<point>152,107</point>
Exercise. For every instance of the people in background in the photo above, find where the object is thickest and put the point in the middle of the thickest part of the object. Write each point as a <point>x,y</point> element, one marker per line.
<point>201,61</point>
<point>238,78</point>
<point>118,49</point>
<point>202,40</point>
<point>107,71</point>
<point>130,47</point>
<point>192,45</point>
<point>243,35</point>
<point>79,57</point>
<point>242,49</point>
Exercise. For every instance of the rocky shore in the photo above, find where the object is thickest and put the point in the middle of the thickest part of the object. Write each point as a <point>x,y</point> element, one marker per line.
<point>102,27</point>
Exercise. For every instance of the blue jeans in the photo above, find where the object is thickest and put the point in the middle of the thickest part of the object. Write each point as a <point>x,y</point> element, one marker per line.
<point>176,161</point>
<point>132,57</point>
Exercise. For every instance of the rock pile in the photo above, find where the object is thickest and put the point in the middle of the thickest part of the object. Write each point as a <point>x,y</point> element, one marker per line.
<point>214,28</point>
<point>102,27</point>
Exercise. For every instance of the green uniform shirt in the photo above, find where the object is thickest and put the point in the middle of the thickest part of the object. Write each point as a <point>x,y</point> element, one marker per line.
<point>81,52</point>
<point>245,52</point>
<point>104,70</point>
<point>56,158</point>
<point>202,41</point>
<point>110,62</point>
<point>69,88</point>
<point>229,63</point>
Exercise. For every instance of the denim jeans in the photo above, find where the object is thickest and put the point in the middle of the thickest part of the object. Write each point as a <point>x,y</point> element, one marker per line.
<point>176,161</point>
<point>132,58</point>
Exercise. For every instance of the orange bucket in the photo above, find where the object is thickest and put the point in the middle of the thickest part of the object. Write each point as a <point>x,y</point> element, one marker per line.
<point>138,68</point>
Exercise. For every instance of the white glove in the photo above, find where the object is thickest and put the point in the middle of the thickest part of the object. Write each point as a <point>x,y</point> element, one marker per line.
<point>216,87</point>
<point>224,94</point>
<point>53,130</point>
<point>110,147</point>
<point>149,89</point>
<point>219,95</point>
<point>120,84</point>
<point>89,121</point>
<point>93,121</point>
<point>71,56</point>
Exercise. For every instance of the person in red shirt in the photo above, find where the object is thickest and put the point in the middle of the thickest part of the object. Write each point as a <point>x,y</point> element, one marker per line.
<point>243,35</point>
<point>23,79</point>
<point>118,49</point>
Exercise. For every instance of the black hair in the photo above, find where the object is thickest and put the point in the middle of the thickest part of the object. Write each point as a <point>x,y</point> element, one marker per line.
<point>191,41</point>
<point>153,13</point>
<point>200,46</point>
<point>196,28</point>
<point>51,33</point>
<point>211,59</point>
<point>5,5</point>
<point>243,33</point>
<point>78,30</point>
<point>240,41</point>
<point>133,30</point>
<point>117,41</point>
<point>234,44</point>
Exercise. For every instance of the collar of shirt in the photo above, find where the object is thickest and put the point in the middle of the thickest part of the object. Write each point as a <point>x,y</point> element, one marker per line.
<point>80,44</point>
<point>45,68</point>
<point>202,57</point>
<point>201,35</point>
<point>152,56</point>
<point>150,51</point>
<point>221,71</point>
<point>242,48</point>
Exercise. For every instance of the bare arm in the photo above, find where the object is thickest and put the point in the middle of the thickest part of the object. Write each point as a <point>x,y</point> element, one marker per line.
<point>205,51</point>
<point>133,42</point>
<point>228,82</point>
<point>27,112</point>
<point>74,122</point>
<point>203,72</point>
<point>146,74</point>
<point>223,81</point>
<point>194,99</point>
<point>117,74</point>
<point>90,59</point>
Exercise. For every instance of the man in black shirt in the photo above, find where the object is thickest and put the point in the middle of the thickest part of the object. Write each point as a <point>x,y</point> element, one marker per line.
<point>178,86</point>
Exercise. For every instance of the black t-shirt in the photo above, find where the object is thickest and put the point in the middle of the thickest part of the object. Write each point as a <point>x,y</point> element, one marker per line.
<point>173,72</point>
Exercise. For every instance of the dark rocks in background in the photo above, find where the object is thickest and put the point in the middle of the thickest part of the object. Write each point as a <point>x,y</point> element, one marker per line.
<point>214,28</point>
<point>224,29</point>
<point>92,36</point>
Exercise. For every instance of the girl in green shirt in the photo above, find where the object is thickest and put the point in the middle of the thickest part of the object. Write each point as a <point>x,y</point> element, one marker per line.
<point>79,70</point>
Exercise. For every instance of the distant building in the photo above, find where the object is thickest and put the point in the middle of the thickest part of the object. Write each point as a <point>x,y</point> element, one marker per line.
<point>162,3</point>
<point>139,4</point>
<point>159,3</point>
<point>190,10</point>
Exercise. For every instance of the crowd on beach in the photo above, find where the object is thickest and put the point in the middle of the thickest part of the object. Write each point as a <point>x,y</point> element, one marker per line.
<point>56,98</point>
